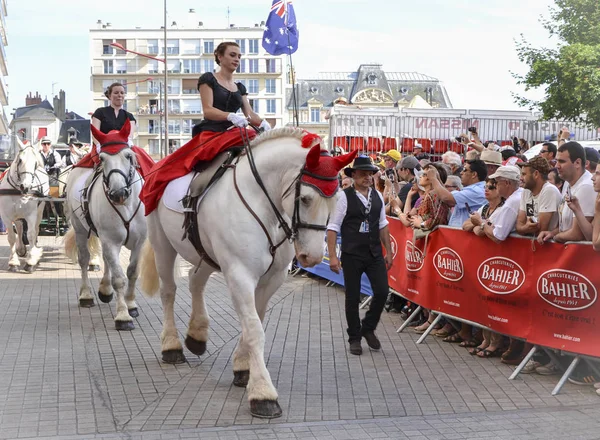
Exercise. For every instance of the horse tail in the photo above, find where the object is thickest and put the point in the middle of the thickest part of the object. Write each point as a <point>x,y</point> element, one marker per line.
<point>150,282</point>
<point>71,244</point>
<point>94,245</point>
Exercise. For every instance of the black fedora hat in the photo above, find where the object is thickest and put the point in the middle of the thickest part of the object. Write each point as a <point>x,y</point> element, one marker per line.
<point>361,163</point>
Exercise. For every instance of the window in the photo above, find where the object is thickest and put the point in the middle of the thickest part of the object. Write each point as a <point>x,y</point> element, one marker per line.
<point>271,107</point>
<point>174,127</point>
<point>242,44</point>
<point>153,126</point>
<point>172,47</point>
<point>153,47</point>
<point>191,106</point>
<point>108,66</point>
<point>152,66</point>
<point>174,87</point>
<point>174,106</point>
<point>208,66</point>
<point>189,86</point>
<point>174,144</point>
<point>242,67</point>
<point>270,86</point>
<point>106,47</point>
<point>191,66</point>
<point>187,126</point>
<point>154,87</point>
<point>271,66</point>
<point>254,105</point>
<point>174,66</point>
<point>253,46</point>
<point>253,66</point>
<point>252,86</point>
<point>120,66</point>
<point>315,114</point>
<point>209,46</point>
<point>154,146</point>
<point>190,47</point>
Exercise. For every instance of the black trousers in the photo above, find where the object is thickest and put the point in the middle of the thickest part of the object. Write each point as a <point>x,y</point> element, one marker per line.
<point>353,267</point>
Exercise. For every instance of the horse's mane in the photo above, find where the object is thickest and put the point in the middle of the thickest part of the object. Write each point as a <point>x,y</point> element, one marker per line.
<point>277,133</point>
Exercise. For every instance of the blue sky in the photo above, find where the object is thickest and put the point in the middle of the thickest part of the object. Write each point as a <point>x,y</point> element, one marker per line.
<point>468,44</point>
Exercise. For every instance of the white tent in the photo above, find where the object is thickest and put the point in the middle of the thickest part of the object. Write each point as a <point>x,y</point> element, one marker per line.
<point>418,102</point>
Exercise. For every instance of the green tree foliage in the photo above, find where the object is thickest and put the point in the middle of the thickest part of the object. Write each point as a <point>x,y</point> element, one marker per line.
<point>569,73</point>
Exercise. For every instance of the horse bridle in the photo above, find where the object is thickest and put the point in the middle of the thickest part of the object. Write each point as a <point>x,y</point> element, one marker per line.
<point>18,184</point>
<point>291,232</point>
<point>128,177</point>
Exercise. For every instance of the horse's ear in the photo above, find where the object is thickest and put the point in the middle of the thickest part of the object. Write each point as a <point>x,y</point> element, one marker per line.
<point>312,159</point>
<point>126,129</point>
<point>98,135</point>
<point>20,144</point>
<point>345,159</point>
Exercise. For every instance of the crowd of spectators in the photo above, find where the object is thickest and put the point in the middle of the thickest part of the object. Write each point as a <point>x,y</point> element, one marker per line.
<point>494,192</point>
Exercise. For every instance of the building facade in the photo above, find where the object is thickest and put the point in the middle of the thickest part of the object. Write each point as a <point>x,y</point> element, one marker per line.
<point>189,55</point>
<point>369,87</point>
<point>3,68</point>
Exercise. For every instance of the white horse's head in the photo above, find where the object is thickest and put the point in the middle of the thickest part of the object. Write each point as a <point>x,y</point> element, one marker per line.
<point>118,163</point>
<point>315,190</point>
<point>24,166</point>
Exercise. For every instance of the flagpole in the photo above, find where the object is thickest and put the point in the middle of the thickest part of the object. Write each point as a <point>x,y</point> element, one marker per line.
<point>293,74</point>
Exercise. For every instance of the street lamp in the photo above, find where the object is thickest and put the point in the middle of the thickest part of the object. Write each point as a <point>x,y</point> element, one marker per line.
<point>165,100</point>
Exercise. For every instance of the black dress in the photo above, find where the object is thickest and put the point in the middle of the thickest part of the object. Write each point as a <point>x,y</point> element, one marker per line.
<point>223,99</point>
<point>108,120</point>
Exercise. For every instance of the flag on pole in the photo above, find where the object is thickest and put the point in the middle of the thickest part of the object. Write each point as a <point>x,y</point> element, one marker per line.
<point>281,34</point>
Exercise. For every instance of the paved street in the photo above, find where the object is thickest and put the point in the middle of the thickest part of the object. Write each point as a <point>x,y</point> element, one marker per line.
<point>66,373</point>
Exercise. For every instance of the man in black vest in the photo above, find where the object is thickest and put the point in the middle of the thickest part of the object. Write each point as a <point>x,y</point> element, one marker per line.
<point>359,218</point>
<point>52,159</point>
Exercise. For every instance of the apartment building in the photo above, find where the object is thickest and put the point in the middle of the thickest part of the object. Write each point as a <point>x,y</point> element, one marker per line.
<point>3,68</point>
<point>189,55</point>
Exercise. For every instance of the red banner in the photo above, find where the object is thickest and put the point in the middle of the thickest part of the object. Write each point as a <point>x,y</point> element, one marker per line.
<point>544,294</point>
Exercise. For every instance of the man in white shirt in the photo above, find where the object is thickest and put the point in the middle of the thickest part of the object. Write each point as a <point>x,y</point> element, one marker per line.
<point>359,217</point>
<point>570,163</point>
<point>508,179</point>
<point>540,200</point>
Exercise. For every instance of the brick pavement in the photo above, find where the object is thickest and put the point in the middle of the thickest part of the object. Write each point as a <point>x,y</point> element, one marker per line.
<point>66,373</point>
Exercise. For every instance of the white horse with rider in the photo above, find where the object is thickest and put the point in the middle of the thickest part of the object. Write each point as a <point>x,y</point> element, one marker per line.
<point>105,203</point>
<point>271,203</point>
<point>21,187</point>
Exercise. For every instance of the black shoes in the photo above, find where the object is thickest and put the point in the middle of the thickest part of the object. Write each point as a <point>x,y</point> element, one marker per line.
<point>356,348</point>
<point>372,340</point>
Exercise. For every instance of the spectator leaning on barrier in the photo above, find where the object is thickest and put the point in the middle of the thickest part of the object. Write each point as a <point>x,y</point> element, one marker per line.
<point>359,218</point>
<point>473,180</point>
<point>578,191</point>
<point>540,201</point>
<point>592,157</point>
<point>454,161</point>
<point>548,152</point>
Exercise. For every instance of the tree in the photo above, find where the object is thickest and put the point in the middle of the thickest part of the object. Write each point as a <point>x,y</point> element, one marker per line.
<point>570,73</point>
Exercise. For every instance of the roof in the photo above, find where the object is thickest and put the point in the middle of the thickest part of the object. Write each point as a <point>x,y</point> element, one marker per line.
<point>37,113</point>
<point>369,85</point>
<point>83,130</point>
<point>19,112</point>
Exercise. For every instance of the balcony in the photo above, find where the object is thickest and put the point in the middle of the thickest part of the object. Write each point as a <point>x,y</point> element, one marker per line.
<point>150,91</point>
<point>152,50</point>
<point>174,90</point>
<point>172,51</point>
<point>190,92</point>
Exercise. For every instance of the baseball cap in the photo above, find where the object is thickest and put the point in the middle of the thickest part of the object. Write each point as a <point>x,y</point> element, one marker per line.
<point>417,145</point>
<point>592,154</point>
<point>394,154</point>
<point>538,163</point>
<point>409,162</point>
<point>508,172</point>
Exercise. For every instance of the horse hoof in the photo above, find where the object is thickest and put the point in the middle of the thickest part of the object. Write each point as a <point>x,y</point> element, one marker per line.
<point>94,268</point>
<point>29,268</point>
<point>86,302</point>
<point>13,268</point>
<point>105,298</point>
<point>265,409</point>
<point>196,347</point>
<point>124,325</point>
<point>173,357</point>
<point>134,312</point>
<point>240,378</point>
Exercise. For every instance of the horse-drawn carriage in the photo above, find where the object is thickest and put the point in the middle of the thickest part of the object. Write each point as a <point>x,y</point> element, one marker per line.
<point>54,221</point>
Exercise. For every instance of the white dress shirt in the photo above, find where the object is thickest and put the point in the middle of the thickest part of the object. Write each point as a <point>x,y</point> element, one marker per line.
<point>341,207</point>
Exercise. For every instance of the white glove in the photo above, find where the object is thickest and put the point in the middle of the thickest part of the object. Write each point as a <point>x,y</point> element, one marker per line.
<point>264,125</point>
<point>237,120</point>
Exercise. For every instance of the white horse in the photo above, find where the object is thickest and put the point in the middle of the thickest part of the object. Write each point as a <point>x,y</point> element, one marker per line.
<point>24,182</point>
<point>253,246</point>
<point>115,214</point>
